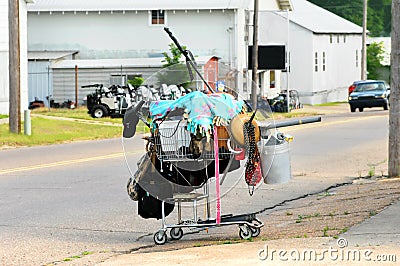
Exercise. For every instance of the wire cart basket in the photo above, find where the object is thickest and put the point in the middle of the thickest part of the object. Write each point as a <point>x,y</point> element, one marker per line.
<point>175,143</point>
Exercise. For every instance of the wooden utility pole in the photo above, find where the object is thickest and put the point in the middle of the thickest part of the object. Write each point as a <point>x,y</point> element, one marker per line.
<point>254,77</point>
<point>14,67</point>
<point>394,113</point>
<point>364,43</point>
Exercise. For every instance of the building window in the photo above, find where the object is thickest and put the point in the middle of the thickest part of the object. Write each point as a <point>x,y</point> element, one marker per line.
<point>331,38</point>
<point>356,58</point>
<point>272,79</point>
<point>157,17</point>
<point>117,79</point>
<point>122,79</point>
<point>316,62</point>
<point>344,38</point>
<point>338,38</point>
<point>323,61</point>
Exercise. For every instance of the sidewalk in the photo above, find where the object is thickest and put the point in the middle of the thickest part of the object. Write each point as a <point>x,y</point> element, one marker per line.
<point>377,238</point>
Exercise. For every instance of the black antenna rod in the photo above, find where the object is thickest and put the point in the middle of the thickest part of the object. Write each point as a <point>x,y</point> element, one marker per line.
<point>188,59</point>
<point>252,116</point>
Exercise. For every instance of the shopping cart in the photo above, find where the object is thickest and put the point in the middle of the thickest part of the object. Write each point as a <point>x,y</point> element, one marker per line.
<point>174,144</point>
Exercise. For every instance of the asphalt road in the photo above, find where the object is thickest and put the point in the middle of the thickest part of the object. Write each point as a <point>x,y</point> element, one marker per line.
<point>63,200</point>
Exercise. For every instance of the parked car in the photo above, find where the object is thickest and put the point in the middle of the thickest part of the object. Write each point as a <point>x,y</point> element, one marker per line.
<point>370,93</point>
<point>353,86</point>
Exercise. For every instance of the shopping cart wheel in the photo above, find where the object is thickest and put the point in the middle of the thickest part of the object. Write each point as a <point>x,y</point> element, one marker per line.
<point>244,231</point>
<point>255,231</point>
<point>176,233</point>
<point>160,238</point>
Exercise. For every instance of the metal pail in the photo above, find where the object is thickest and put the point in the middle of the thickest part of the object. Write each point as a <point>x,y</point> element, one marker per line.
<point>275,161</point>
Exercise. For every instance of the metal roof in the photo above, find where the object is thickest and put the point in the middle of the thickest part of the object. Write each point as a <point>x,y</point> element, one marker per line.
<point>319,20</point>
<point>108,5</point>
<point>49,55</point>
<point>117,63</point>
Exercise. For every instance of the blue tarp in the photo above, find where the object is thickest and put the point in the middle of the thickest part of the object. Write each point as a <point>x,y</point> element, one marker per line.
<point>203,111</point>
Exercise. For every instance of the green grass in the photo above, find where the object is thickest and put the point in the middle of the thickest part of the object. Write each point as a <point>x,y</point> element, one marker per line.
<point>81,113</point>
<point>299,219</point>
<point>292,114</point>
<point>46,131</point>
<point>85,253</point>
<point>49,131</point>
<point>3,116</point>
<point>78,113</point>
<point>344,230</point>
<point>330,104</point>
<point>325,231</point>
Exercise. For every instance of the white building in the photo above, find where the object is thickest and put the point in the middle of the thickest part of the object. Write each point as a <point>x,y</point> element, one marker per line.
<point>325,49</point>
<point>4,55</point>
<point>134,29</point>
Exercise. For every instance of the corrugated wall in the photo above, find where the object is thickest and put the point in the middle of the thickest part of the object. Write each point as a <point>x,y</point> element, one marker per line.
<point>3,57</point>
<point>64,80</point>
<point>40,81</point>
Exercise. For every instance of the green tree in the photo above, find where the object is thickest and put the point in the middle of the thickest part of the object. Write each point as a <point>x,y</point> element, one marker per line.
<point>375,53</point>
<point>387,17</point>
<point>175,57</point>
<point>174,72</point>
<point>136,81</point>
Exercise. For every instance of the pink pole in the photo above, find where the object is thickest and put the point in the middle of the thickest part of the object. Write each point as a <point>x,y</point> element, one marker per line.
<point>217,186</point>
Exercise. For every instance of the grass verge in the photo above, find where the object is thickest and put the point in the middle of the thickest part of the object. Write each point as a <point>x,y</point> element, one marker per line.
<point>78,113</point>
<point>49,131</point>
<point>260,116</point>
<point>46,131</point>
<point>330,104</point>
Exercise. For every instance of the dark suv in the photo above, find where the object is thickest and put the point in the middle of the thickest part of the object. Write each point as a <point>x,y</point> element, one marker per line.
<point>369,94</point>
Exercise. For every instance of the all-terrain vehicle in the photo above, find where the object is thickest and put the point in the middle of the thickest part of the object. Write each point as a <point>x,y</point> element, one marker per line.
<point>111,101</point>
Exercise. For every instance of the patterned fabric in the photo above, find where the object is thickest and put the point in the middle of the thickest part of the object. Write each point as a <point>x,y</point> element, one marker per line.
<point>253,167</point>
<point>203,111</point>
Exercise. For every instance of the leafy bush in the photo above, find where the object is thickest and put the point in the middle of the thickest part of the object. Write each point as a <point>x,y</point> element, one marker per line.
<point>136,82</point>
<point>375,53</point>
